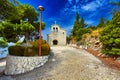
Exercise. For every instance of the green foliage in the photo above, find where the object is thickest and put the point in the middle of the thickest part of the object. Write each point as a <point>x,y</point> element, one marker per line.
<point>7,31</point>
<point>24,26</point>
<point>76,25</point>
<point>3,42</point>
<point>102,22</point>
<point>10,30</point>
<point>37,25</point>
<point>18,19</point>
<point>110,36</point>
<point>23,12</point>
<point>18,43</point>
<point>79,28</point>
<point>45,49</point>
<point>29,50</point>
<point>6,8</point>
<point>16,50</point>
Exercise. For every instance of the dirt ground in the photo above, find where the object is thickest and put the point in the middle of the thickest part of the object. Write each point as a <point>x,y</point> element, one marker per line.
<point>110,61</point>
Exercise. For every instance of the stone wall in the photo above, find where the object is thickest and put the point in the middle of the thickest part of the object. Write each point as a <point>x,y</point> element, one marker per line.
<point>18,64</point>
<point>58,34</point>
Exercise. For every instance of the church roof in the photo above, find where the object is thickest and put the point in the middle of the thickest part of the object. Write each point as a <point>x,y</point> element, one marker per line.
<point>58,26</point>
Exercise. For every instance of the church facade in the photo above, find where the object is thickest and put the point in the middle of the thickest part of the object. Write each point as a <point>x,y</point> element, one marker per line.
<point>57,36</point>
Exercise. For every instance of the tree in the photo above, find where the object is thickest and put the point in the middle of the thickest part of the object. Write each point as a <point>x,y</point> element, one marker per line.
<point>76,24</point>
<point>7,30</point>
<point>110,36</point>
<point>23,12</point>
<point>102,22</point>
<point>7,8</point>
<point>27,14</point>
<point>79,27</point>
<point>20,19</point>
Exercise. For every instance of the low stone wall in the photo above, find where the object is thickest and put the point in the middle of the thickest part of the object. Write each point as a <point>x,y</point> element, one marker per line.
<point>18,64</point>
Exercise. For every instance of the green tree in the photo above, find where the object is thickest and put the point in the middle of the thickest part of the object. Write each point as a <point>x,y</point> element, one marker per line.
<point>79,27</point>
<point>76,24</point>
<point>7,8</point>
<point>110,36</point>
<point>23,12</point>
<point>7,30</point>
<point>102,22</point>
<point>91,28</point>
<point>20,19</point>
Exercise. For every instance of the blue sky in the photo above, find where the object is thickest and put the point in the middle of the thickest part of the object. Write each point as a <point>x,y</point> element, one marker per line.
<point>63,12</point>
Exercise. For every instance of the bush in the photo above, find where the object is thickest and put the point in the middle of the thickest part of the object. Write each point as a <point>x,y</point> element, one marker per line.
<point>30,50</point>
<point>110,36</point>
<point>16,50</point>
<point>45,49</point>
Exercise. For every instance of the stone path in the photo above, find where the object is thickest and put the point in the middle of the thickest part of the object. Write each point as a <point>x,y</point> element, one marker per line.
<point>67,63</point>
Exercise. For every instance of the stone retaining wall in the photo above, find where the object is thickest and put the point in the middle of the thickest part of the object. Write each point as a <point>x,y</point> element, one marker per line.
<point>18,64</point>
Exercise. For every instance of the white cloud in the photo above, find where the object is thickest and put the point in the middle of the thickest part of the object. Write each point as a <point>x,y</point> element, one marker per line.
<point>92,6</point>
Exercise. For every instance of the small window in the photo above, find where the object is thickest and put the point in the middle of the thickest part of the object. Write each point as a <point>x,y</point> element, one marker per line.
<point>57,29</point>
<point>63,32</point>
<point>53,28</point>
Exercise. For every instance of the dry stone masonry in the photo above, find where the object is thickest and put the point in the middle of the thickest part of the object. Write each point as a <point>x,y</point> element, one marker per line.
<point>18,65</point>
<point>57,36</point>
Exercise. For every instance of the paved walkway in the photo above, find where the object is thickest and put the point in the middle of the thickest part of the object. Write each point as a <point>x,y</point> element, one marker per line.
<point>67,63</point>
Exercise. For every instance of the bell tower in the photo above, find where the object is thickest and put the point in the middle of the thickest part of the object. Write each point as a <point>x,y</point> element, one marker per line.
<point>57,35</point>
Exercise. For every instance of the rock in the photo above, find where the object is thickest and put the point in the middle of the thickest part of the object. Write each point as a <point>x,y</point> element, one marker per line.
<point>18,65</point>
<point>118,59</point>
<point>53,60</point>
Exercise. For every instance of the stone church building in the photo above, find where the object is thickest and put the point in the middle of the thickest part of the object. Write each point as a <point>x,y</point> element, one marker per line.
<point>57,36</point>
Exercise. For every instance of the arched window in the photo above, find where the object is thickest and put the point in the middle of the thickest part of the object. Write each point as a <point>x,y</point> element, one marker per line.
<point>56,29</point>
<point>53,28</point>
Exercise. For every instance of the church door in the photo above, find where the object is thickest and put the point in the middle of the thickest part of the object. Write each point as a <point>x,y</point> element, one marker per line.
<point>55,42</point>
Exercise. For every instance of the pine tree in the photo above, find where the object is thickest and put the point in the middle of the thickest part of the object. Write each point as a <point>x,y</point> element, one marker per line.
<point>76,24</point>
<point>102,22</point>
<point>78,28</point>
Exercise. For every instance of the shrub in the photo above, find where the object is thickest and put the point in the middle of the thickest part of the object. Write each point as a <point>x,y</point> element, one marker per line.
<point>45,49</point>
<point>16,50</point>
<point>110,36</point>
<point>29,50</point>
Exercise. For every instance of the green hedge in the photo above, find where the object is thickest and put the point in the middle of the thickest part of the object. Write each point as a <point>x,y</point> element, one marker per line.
<point>16,50</point>
<point>29,50</point>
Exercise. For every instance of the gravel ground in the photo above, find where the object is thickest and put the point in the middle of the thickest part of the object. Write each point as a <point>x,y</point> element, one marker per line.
<point>67,63</point>
<point>2,65</point>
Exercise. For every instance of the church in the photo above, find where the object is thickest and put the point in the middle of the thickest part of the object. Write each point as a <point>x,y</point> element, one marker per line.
<point>57,36</point>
